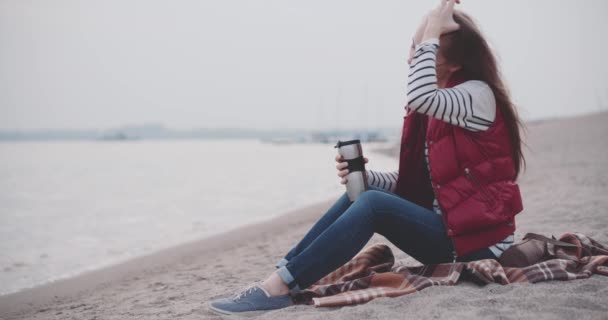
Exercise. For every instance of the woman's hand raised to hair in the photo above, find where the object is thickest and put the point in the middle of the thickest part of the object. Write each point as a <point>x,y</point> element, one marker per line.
<point>441,20</point>
<point>341,166</point>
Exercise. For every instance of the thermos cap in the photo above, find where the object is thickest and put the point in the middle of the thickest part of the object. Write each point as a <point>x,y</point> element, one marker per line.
<point>345,143</point>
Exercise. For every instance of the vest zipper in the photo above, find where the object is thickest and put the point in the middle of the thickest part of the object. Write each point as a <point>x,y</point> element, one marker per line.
<point>454,254</point>
<point>477,184</point>
<point>445,221</point>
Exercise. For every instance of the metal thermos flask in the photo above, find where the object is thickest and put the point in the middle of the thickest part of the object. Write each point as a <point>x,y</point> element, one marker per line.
<point>356,178</point>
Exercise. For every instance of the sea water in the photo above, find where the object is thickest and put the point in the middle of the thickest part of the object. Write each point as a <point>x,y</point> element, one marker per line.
<point>70,207</point>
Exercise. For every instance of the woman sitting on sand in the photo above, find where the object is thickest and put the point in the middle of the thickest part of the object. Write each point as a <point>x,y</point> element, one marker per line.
<point>455,197</point>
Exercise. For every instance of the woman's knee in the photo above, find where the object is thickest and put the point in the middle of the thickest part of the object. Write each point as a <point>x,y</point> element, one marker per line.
<point>370,196</point>
<point>371,192</point>
<point>365,202</point>
<point>381,209</point>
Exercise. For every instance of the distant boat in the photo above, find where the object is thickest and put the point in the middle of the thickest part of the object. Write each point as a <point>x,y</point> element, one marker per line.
<point>280,140</point>
<point>117,136</point>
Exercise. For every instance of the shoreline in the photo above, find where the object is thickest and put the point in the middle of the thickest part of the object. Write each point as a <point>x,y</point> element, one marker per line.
<point>39,296</point>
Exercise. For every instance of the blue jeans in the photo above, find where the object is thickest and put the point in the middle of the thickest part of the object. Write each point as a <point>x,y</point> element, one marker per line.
<point>347,227</point>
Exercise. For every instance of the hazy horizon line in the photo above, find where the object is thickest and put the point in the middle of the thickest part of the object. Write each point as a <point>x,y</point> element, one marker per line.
<point>162,126</point>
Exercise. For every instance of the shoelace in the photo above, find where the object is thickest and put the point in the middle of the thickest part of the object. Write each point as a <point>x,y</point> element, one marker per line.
<point>247,291</point>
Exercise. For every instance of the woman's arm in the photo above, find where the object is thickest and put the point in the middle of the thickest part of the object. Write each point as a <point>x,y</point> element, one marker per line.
<point>470,105</point>
<point>386,180</point>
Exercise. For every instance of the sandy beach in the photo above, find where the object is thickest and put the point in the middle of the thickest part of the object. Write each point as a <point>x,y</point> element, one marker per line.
<point>564,188</point>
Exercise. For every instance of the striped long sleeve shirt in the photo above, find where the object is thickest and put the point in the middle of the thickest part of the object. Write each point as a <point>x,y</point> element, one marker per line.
<point>386,180</point>
<point>470,105</point>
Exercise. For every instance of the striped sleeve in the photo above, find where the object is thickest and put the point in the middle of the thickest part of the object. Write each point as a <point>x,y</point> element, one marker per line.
<point>385,180</point>
<point>503,245</point>
<point>470,105</point>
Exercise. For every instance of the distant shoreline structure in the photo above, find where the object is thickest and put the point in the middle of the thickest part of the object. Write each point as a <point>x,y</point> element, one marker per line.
<point>333,137</point>
<point>159,132</point>
<point>276,136</point>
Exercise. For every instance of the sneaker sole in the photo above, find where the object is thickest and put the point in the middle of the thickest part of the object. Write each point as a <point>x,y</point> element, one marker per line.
<point>230,313</point>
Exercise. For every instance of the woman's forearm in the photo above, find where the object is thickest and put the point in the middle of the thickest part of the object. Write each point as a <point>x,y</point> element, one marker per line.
<point>432,30</point>
<point>440,20</point>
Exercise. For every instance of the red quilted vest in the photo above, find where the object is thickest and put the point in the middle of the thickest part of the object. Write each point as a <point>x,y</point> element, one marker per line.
<point>472,176</point>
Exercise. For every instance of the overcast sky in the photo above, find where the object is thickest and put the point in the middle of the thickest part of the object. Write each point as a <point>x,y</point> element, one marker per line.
<point>273,64</point>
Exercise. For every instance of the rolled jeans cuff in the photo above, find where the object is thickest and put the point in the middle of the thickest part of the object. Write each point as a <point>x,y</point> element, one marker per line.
<point>281,263</point>
<point>289,280</point>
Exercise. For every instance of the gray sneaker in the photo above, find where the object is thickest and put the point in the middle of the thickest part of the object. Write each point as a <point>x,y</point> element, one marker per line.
<point>252,300</point>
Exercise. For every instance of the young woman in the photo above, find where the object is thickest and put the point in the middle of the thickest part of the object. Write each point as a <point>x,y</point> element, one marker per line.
<point>454,197</point>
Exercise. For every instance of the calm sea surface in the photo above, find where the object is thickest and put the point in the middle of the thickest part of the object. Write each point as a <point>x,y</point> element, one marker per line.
<point>69,207</point>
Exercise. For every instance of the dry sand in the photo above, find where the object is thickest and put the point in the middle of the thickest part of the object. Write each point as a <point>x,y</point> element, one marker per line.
<point>565,189</point>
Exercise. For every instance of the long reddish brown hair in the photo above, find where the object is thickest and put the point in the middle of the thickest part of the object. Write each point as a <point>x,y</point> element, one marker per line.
<point>468,48</point>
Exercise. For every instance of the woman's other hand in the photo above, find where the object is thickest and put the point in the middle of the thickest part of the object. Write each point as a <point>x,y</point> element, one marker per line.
<point>341,166</point>
<point>441,20</point>
<point>419,36</point>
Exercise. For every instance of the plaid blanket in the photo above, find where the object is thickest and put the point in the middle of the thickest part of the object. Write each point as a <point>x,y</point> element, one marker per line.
<point>373,273</point>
